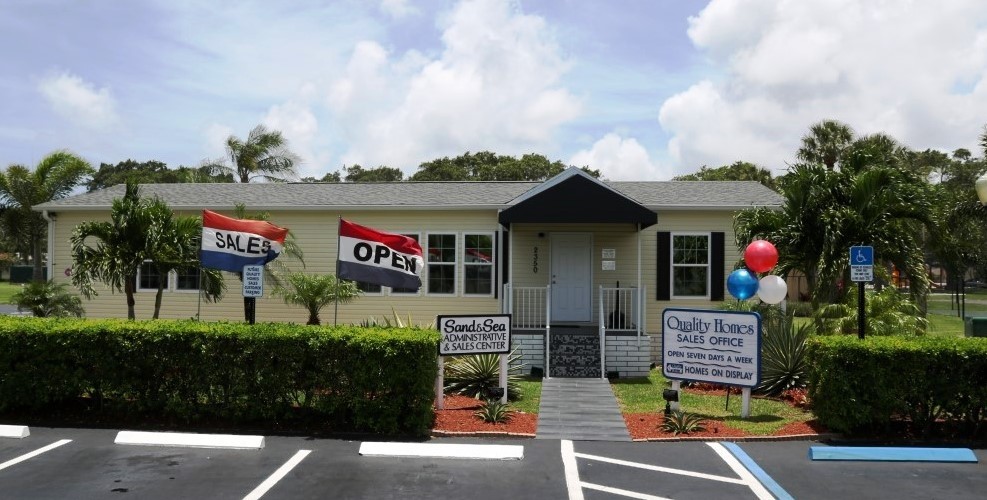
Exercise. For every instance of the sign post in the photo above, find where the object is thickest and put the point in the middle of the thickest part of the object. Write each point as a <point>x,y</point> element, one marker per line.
<point>253,287</point>
<point>861,271</point>
<point>474,334</point>
<point>721,347</point>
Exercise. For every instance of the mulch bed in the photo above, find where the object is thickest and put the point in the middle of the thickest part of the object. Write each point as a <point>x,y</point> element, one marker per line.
<point>457,418</point>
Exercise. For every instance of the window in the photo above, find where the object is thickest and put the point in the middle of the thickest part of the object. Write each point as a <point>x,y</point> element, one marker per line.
<point>406,290</point>
<point>478,264</point>
<point>368,287</point>
<point>690,265</point>
<point>441,263</point>
<point>187,279</point>
<point>148,277</point>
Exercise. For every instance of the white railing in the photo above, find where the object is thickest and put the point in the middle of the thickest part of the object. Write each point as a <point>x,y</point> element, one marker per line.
<point>530,309</point>
<point>621,310</point>
<point>528,306</point>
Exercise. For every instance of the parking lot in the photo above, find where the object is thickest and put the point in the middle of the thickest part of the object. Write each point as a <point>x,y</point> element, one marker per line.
<point>85,463</point>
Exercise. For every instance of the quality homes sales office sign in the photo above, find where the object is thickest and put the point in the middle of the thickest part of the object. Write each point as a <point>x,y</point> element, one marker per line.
<point>722,347</point>
<point>487,334</point>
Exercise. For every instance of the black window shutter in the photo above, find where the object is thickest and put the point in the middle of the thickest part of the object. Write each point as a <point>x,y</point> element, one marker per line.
<point>496,248</point>
<point>664,289</point>
<point>503,260</point>
<point>716,280</point>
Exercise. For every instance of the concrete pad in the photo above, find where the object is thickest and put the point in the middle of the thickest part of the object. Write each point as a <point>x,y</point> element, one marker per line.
<point>14,431</point>
<point>185,440</point>
<point>444,450</point>
<point>892,454</point>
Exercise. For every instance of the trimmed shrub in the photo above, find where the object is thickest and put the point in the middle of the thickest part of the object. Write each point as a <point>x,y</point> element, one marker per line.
<point>859,385</point>
<point>344,378</point>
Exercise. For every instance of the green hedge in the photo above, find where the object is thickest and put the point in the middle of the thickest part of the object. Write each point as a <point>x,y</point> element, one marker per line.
<point>865,385</point>
<point>342,378</point>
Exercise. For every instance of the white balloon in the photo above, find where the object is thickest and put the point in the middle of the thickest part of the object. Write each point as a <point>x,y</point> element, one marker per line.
<point>772,289</point>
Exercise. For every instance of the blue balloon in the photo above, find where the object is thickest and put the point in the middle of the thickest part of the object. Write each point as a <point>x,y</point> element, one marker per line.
<point>742,284</point>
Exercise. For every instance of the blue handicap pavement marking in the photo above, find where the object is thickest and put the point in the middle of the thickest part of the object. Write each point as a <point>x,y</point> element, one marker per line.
<point>892,454</point>
<point>769,483</point>
<point>862,256</point>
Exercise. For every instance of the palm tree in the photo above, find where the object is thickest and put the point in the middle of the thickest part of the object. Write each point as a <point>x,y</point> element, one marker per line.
<point>264,155</point>
<point>20,189</point>
<point>315,292</point>
<point>825,143</point>
<point>139,230</point>
<point>826,212</point>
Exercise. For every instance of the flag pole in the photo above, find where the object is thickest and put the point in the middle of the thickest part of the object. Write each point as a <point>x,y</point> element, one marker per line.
<point>198,308</point>
<point>335,309</point>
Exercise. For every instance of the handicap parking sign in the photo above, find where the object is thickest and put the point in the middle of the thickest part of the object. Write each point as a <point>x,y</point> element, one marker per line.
<point>862,263</point>
<point>861,256</point>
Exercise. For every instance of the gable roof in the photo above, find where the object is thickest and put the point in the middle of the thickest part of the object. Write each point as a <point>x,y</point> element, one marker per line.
<point>575,196</point>
<point>655,195</point>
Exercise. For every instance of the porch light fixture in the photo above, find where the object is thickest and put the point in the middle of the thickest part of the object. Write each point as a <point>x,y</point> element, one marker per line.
<point>670,396</point>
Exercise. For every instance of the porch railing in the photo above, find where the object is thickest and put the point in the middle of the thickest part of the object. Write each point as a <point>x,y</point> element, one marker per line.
<point>621,310</point>
<point>531,309</point>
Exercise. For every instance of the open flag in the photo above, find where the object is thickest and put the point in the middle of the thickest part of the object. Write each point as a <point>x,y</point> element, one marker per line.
<point>229,244</point>
<point>373,256</point>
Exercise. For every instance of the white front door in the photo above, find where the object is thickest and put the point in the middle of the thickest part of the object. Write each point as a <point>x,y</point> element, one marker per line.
<point>572,276</point>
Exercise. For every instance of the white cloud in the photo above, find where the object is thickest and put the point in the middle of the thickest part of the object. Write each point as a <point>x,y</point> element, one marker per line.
<point>914,70</point>
<point>397,9</point>
<point>620,159</point>
<point>495,86</point>
<point>79,101</point>
<point>215,141</point>
<point>296,121</point>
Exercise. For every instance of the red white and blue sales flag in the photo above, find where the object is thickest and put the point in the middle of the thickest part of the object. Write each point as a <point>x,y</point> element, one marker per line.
<point>229,244</point>
<point>373,256</point>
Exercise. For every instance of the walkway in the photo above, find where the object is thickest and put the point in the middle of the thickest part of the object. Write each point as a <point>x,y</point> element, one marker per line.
<point>580,409</point>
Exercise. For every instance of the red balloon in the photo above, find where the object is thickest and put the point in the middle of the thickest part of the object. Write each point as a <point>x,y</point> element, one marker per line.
<point>760,256</point>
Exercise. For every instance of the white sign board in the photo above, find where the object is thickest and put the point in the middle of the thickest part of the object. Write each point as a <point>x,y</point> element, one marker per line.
<point>253,281</point>
<point>487,334</point>
<point>721,347</point>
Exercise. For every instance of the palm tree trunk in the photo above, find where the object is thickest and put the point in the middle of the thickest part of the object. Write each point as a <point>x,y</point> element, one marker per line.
<point>38,273</point>
<point>128,289</point>
<point>157,299</point>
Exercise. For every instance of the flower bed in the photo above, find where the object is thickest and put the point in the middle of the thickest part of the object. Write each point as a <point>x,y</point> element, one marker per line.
<point>457,418</point>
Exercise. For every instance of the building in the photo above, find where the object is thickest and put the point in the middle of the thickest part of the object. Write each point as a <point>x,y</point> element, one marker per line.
<point>579,263</point>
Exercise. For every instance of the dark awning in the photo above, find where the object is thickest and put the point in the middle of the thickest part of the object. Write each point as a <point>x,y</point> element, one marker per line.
<point>575,197</point>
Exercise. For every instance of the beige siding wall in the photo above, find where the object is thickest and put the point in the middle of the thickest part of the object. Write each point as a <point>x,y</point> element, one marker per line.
<point>315,233</point>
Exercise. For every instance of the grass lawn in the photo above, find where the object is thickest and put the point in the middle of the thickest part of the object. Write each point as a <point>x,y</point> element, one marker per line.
<point>767,415</point>
<point>7,290</point>
<point>530,395</point>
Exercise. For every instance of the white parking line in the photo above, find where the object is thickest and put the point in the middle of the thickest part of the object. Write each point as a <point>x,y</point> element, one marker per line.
<point>742,471</point>
<point>28,456</point>
<point>656,468</point>
<point>279,474</point>
<point>571,471</point>
<point>626,493</point>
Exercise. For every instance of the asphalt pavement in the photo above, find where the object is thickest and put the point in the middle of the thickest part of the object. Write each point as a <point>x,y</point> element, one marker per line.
<point>85,463</point>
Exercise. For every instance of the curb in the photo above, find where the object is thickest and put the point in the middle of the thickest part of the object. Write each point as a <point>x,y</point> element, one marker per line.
<point>441,433</point>
<point>186,440</point>
<point>14,431</point>
<point>746,439</point>
<point>447,450</point>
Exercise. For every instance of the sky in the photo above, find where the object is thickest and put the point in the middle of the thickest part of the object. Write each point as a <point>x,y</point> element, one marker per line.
<point>639,89</point>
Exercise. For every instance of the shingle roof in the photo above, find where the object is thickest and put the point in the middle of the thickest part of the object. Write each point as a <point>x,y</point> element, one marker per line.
<point>308,196</point>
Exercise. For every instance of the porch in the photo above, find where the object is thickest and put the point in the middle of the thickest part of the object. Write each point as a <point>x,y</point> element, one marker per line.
<point>569,349</point>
